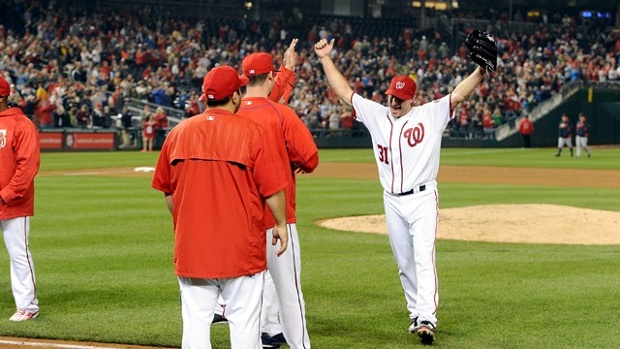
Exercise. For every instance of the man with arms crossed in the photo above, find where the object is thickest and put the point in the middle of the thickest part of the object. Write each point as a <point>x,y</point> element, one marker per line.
<point>217,170</point>
<point>407,142</point>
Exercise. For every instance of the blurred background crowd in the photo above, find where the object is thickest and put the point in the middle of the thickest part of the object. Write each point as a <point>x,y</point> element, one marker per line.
<point>74,68</point>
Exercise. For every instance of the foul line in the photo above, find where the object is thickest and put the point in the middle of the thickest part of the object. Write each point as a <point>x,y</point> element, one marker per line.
<point>67,346</point>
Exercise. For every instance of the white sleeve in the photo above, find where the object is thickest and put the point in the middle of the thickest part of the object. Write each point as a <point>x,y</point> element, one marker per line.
<point>367,111</point>
<point>441,112</point>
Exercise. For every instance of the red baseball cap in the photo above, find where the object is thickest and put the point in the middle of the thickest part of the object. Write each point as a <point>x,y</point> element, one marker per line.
<point>5,88</point>
<point>257,64</point>
<point>222,82</point>
<point>402,87</point>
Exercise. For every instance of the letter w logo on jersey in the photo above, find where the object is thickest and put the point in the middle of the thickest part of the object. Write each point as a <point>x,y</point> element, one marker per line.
<point>414,135</point>
<point>2,138</point>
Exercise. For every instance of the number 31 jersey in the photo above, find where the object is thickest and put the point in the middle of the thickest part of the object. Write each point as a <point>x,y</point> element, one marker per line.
<point>407,149</point>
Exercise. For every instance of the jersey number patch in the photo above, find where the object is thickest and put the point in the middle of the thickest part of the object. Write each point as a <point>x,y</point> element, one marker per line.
<point>383,154</point>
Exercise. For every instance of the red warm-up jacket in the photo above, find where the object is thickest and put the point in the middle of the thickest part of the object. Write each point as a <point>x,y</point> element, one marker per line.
<point>19,159</point>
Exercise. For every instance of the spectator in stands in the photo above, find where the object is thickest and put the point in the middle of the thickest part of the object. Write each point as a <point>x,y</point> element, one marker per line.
<point>30,104</point>
<point>126,125</point>
<point>148,132</point>
<point>60,116</point>
<point>83,117</point>
<point>475,127</point>
<point>97,115</point>
<point>46,112</point>
<point>334,120</point>
<point>463,124</point>
<point>498,118</point>
<point>72,117</point>
<point>193,105</point>
<point>526,128</point>
<point>347,120</point>
<point>175,63</point>
<point>160,122</point>
<point>488,124</point>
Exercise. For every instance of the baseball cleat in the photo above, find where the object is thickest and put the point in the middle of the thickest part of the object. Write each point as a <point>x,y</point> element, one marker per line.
<point>269,342</point>
<point>219,319</point>
<point>426,332</point>
<point>23,315</point>
<point>414,325</point>
<point>279,338</point>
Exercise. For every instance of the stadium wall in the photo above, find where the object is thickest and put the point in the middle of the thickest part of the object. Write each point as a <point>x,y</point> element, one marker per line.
<point>601,106</point>
<point>602,110</point>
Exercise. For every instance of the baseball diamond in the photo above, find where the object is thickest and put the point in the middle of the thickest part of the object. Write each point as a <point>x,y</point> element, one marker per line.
<point>449,176</point>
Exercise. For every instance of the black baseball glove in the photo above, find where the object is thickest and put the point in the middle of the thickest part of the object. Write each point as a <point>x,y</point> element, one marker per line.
<point>482,49</point>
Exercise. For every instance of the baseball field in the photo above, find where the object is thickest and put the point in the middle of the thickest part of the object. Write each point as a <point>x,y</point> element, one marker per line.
<point>102,246</point>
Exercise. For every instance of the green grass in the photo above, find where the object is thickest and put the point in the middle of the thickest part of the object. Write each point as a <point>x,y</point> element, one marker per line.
<point>604,158</point>
<point>102,249</point>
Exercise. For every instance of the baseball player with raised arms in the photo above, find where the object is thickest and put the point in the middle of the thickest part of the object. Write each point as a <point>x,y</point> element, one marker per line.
<point>407,139</point>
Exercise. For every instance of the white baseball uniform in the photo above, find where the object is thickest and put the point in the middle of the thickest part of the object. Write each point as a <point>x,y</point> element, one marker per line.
<point>407,151</point>
<point>286,274</point>
<point>242,296</point>
<point>23,282</point>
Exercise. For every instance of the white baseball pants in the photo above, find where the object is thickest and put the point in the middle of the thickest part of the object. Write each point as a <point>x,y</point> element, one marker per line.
<point>286,273</point>
<point>412,222</point>
<point>582,142</point>
<point>269,318</point>
<point>242,296</point>
<point>23,282</point>
<point>565,141</point>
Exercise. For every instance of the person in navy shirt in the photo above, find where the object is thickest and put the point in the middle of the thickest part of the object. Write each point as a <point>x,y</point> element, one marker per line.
<point>565,135</point>
<point>582,132</point>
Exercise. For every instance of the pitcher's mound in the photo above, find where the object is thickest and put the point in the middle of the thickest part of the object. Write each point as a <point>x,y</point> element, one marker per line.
<point>541,224</point>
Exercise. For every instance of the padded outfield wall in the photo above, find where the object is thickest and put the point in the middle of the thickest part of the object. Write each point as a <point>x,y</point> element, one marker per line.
<point>601,107</point>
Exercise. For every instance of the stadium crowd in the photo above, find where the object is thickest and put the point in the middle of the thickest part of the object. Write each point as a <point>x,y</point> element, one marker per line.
<point>72,69</point>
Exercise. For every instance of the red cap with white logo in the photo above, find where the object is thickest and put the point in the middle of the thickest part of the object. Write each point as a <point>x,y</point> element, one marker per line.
<point>402,87</point>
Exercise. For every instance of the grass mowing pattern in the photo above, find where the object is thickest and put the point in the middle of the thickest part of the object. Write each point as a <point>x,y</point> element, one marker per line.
<point>102,248</point>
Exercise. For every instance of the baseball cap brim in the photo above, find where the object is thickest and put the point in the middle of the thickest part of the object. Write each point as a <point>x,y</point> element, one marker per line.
<point>398,94</point>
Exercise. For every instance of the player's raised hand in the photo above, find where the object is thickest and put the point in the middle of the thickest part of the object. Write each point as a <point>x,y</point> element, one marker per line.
<point>280,233</point>
<point>290,56</point>
<point>323,48</point>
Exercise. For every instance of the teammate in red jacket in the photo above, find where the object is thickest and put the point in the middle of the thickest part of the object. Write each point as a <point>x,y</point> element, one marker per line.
<point>217,170</point>
<point>19,159</point>
<point>300,154</point>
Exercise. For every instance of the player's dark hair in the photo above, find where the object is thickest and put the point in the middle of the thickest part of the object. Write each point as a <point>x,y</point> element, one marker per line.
<point>218,103</point>
<point>258,79</point>
<point>221,102</point>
